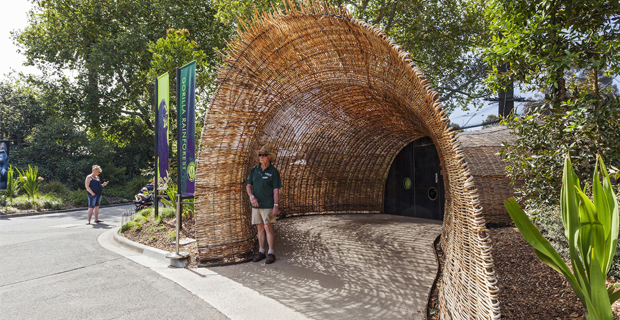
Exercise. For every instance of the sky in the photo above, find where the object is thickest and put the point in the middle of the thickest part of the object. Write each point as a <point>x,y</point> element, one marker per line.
<point>15,17</point>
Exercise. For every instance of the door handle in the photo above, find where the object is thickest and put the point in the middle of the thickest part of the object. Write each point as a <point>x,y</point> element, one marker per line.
<point>436,178</point>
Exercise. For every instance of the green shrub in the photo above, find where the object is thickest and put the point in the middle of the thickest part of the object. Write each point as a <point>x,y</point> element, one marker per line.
<point>118,192</point>
<point>167,212</point>
<point>134,185</point>
<point>31,181</point>
<point>50,202</point>
<point>591,228</point>
<point>104,201</point>
<point>13,184</point>
<point>23,203</point>
<point>130,225</point>
<point>77,198</point>
<point>139,218</point>
<point>54,187</point>
<point>46,201</point>
<point>171,192</point>
<point>548,219</point>
<point>147,212</point>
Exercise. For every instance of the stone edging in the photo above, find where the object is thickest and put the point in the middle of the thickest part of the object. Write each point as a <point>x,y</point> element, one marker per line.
<point>36,213</point>
<point>154,253</point>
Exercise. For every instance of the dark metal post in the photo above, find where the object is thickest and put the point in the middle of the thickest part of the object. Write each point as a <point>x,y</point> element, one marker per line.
<point>155,182</point>
<point>179,205</point>
<point>178,255</point>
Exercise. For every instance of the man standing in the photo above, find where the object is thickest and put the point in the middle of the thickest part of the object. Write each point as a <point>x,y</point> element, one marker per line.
<point>263,186</point>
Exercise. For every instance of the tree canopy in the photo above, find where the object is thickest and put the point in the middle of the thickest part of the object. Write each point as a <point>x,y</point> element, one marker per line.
<point>568,51</point>
<point>107,44</point>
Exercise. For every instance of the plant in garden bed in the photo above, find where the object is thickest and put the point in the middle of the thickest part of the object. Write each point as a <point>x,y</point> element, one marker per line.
<point>31,181</point>
<point>45,201</point>
<point>13,184</point>
<point>591,228</point>
<point>171,202</point>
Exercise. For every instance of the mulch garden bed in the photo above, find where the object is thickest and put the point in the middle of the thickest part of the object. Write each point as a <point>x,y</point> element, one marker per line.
<point>158,236</point>
<point>529,289</point>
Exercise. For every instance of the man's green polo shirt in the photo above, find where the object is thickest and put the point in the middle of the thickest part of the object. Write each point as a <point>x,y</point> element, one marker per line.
<point>263,183</point>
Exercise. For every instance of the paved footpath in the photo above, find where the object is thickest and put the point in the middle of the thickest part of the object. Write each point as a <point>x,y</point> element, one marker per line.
<point>53,267</point>
<point>354,267</point>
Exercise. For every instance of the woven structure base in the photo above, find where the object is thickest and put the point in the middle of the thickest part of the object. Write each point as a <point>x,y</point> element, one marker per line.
<point>337,99</point>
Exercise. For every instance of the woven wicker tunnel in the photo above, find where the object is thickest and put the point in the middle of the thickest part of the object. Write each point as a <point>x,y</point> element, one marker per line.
<point>338,100</point>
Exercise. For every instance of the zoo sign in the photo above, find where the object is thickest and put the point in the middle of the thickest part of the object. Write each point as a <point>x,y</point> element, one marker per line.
<point>186,101</point>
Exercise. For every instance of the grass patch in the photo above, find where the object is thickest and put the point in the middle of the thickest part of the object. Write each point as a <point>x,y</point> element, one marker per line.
<point>140,219</point>
<point>171,235</point>
<point>147,212</point>
<point>167,213</point>
<point>42,201</point>
<point>131,225</point>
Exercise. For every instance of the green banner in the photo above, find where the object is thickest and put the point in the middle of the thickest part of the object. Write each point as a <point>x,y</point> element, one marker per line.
<point>186,101</point>
<point>163,108</point>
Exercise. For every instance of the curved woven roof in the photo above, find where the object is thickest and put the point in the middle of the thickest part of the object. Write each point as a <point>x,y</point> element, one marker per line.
<point>337,99</point>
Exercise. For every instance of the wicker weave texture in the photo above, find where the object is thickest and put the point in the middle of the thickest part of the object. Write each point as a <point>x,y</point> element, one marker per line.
<point>337,99</point>
<point>481,149</point>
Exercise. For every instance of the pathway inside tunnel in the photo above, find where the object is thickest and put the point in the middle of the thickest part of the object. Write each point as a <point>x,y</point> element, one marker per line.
<point>356,266</point>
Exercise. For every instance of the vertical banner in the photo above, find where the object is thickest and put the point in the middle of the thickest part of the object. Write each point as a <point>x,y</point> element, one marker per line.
<point>163,107</point>
<point>4,164</point>
<point>186,101</point>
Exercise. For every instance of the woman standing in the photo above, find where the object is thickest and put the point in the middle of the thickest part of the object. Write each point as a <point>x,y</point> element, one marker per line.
<point>94,187</point>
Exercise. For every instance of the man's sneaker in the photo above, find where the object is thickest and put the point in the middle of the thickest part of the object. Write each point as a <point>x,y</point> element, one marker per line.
<point>258,257</point>
<point>271,258</point>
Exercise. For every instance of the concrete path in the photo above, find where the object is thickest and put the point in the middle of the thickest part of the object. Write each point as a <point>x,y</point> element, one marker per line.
<point>328,267</point>
<point>358,266</point>
<point>52,267</point>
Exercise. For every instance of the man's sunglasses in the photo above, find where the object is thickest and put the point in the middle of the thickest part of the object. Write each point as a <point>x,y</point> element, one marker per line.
<point>263,155</point>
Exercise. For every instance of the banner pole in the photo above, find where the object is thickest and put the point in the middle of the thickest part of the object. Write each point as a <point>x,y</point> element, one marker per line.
<point>179,127</point>
<point>155,182</point>
<point>178,255</point>
<point>179,215</point>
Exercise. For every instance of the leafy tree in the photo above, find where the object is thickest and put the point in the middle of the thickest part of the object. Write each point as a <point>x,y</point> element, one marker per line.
<point>20,111</point>
<point>566,50</point>
<point>445,37</point>
<point>62,152</point>
<point>176,50</point>
<point>107,44</point>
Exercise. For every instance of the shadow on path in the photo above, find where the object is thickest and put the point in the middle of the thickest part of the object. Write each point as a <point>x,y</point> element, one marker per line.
<point>358,266</point>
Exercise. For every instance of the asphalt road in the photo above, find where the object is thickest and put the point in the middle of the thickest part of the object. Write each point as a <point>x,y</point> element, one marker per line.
<point>52,267</point>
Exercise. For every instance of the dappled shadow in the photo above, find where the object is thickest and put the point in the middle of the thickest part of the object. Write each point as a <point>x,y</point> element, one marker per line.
<point>359,266</point>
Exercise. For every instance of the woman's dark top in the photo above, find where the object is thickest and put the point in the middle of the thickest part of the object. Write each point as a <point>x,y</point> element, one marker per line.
<point>95,185</point>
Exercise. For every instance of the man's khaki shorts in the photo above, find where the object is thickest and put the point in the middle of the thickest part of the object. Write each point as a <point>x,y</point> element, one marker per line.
<point>262,216</point>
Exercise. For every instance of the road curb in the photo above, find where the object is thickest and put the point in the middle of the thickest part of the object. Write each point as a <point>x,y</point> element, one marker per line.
<point>37,213</point>
<point>153,253</point>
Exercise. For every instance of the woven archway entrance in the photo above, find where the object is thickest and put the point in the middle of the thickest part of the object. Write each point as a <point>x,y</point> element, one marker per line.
<point>338,100</point>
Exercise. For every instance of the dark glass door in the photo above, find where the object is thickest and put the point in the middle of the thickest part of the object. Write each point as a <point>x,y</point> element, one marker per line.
<point>414,186</point>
